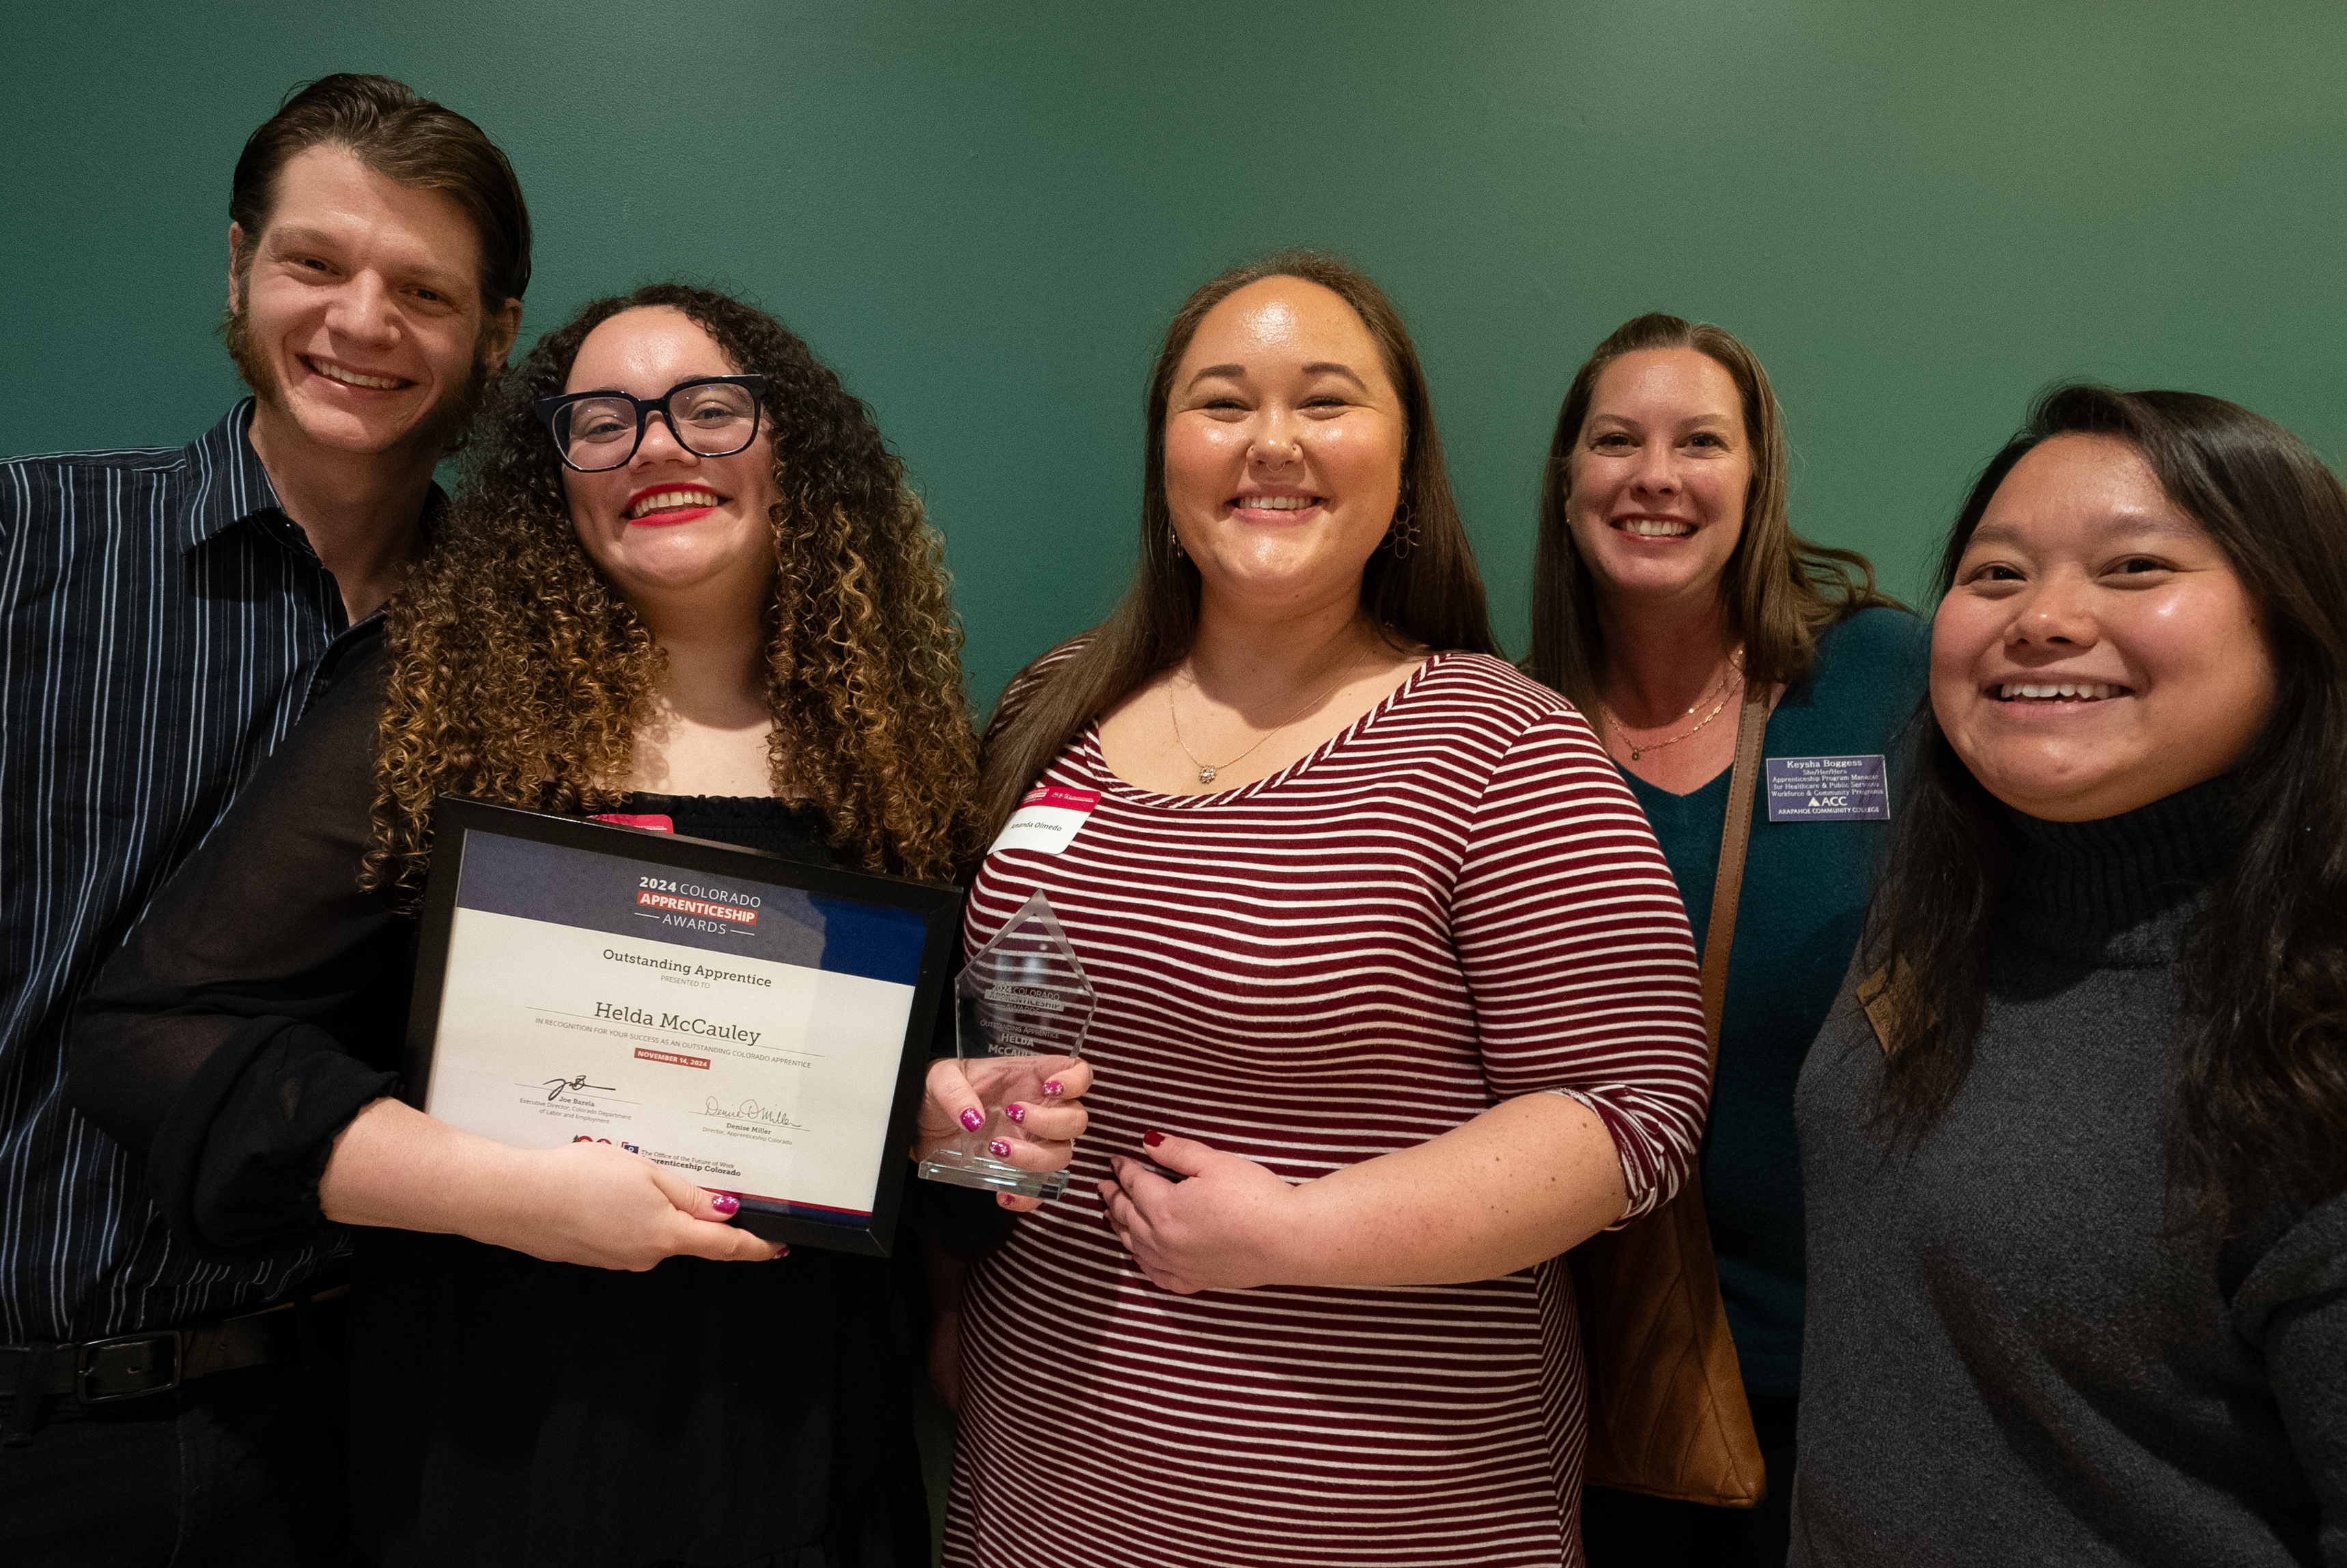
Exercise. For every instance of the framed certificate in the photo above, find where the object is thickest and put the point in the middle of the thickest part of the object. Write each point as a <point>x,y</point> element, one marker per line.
<point>758,1024</point>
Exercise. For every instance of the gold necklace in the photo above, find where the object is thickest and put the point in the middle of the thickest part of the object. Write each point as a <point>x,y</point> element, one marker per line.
<point>1206,770</point>
<point>1730,679</point>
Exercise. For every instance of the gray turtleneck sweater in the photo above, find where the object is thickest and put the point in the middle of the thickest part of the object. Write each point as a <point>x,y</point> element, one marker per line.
<point>2012,1354</point>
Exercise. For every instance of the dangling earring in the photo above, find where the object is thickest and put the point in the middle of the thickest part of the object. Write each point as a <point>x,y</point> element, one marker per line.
<point>1401,534</point>
<point>1175,540</point>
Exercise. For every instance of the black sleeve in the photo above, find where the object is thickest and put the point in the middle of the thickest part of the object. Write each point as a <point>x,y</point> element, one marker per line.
<point>259,1002</point>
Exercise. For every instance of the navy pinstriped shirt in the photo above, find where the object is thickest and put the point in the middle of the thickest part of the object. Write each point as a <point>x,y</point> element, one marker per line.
<point>160,619</point>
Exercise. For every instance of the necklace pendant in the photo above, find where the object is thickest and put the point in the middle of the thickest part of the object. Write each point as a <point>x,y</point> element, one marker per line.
<point>1635,754</point>
<point>1205,776</point>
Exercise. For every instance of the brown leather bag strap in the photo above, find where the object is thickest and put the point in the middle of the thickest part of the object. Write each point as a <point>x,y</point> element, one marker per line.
<point>1736,836</point>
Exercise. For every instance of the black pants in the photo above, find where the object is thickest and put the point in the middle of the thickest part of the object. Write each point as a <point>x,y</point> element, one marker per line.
<point>1626,1529</point>
<point>242,1469</point>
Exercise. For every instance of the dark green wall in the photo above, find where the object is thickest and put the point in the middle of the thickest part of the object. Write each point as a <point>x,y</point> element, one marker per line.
<point>982,215</point>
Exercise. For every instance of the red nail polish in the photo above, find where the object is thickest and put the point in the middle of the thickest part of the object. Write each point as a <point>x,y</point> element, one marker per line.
<point>723,1204</point>
<point>1017,1112</point>
<point>780,1252</point>
<point>973,1118</point>
<point>1151,1140</point>
<point>1001,1150</point>
<point>1054,1088</point>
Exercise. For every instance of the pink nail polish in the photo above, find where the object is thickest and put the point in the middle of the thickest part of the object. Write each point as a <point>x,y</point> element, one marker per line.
<point>1054,1088</point>
<point>723,1204</point>
<point>1001,1150</point>
<point>1016,1111</point>
<point>780,1250</point>
<point>973,1118</point>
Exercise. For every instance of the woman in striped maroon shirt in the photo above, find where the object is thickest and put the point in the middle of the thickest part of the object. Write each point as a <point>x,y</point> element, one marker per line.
<point>1393,983</point>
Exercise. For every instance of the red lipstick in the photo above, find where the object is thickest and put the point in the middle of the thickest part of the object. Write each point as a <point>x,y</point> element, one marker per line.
<point>670,516</point>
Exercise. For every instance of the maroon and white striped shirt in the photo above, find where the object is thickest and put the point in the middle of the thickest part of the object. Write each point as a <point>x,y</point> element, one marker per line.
<point>1453,902</point>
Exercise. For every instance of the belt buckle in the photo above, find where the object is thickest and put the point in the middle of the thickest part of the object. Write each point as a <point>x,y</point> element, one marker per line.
<point>86,1370</point>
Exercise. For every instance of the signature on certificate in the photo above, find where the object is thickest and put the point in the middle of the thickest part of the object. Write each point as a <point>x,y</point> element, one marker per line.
<point>749,1111</point>
<point>556,1088</point>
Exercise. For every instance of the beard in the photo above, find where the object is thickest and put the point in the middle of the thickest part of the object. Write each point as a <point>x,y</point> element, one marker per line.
<point>444,431</point>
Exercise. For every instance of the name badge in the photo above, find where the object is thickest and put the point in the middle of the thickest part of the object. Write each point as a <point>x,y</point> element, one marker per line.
<point>1829,789</point>
<point>1047,820</point>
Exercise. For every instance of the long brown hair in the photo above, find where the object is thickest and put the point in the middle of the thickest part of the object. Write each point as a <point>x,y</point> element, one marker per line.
<point>1778,591</point>
<point>2258,1103</point>
<point>1433,596</point>
<point>519,674</point>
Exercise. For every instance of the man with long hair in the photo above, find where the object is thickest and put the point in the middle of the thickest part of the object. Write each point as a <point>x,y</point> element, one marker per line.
<point>167,613</point>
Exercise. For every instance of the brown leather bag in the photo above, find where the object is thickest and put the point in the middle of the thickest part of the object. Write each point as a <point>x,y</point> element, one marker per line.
<point>1666,1401</point>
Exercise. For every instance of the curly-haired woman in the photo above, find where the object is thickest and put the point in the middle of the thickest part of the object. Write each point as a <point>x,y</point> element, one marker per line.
<point>741,625</point>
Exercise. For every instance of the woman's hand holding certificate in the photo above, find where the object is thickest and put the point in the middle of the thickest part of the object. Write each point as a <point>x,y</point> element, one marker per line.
<point>592,1203</point>
<point>596,1204</point>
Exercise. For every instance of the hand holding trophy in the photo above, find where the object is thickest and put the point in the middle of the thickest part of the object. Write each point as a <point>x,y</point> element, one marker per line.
<point>1022,1007</point>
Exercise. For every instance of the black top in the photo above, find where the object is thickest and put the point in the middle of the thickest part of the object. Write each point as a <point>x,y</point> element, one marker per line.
<point>160,619</point>
<point>505,1409</point>
<point>2012,1355</point>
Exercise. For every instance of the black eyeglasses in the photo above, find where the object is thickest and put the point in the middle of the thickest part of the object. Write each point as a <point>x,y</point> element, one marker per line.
<point>714,415</point>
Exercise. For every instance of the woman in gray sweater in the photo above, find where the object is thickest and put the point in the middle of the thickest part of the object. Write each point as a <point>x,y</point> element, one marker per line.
<point>2075,1140</point>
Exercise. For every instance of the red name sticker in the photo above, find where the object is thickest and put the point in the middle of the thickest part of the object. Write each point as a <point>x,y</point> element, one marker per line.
<point>1065,799</point>
<point>653,823</point>
<point>1047,820</point>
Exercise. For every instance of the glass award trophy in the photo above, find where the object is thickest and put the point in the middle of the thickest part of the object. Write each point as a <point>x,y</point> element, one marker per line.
<point>1024,1004</point>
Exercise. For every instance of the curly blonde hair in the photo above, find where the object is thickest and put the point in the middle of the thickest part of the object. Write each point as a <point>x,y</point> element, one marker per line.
<point>519,675</point>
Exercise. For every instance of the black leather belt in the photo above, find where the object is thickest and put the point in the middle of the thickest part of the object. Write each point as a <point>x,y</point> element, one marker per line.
<point>133,1366</point>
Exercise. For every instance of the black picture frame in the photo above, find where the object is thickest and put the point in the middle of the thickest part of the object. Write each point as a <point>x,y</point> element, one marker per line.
<point>457,820</point>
